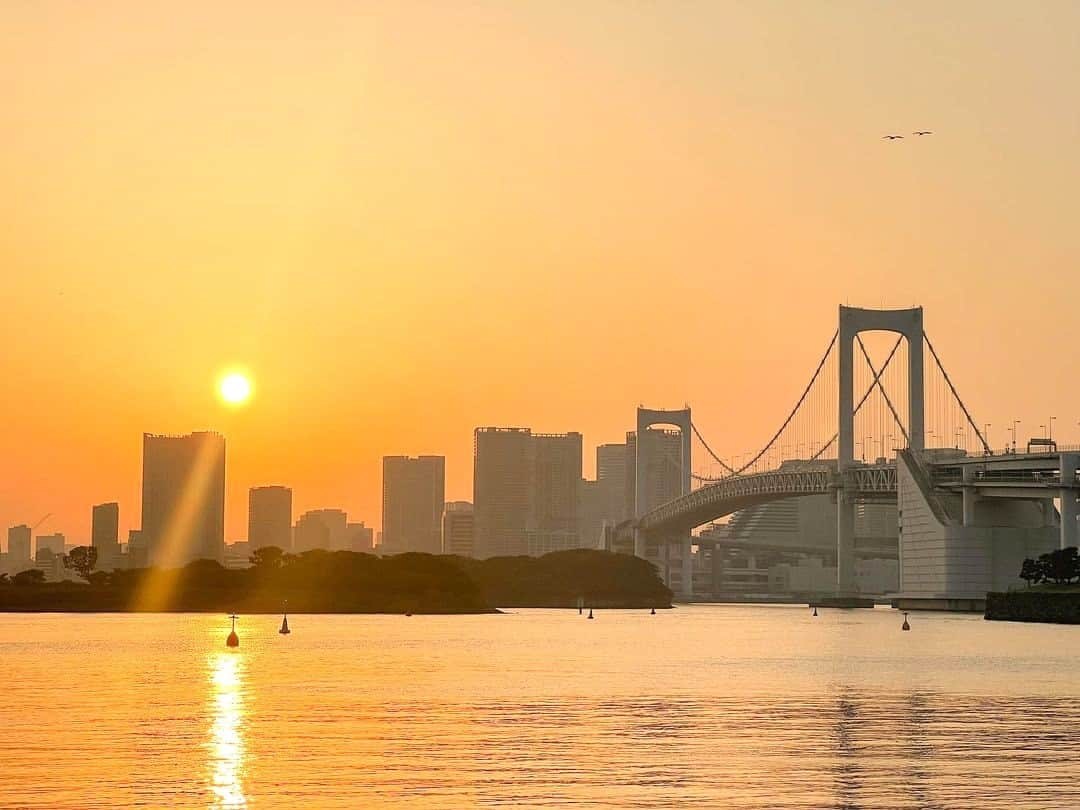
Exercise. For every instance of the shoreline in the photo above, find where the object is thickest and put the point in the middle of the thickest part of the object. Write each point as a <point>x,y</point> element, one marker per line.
<point>1034,606</point>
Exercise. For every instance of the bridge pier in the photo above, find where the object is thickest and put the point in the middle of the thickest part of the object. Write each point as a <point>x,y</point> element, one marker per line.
<point>688,569</point>
<point>906,322</point>
<point>845,543</point>
<point>1069,530</point>
<point>969,496</point>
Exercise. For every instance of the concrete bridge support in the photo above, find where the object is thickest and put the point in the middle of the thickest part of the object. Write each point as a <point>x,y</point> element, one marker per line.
<point>1069,531</point>
<point>969,496</point>
<point>909,323</point>
<point>680,419</point>
<point>845,543</point>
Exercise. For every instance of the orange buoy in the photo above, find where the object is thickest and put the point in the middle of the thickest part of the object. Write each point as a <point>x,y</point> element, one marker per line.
<point>233,640</point>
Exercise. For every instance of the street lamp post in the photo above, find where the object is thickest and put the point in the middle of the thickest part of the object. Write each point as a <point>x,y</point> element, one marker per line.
<point>1051,436</point>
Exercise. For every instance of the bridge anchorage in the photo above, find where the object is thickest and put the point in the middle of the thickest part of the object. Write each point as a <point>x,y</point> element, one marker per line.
<point>966,516</point>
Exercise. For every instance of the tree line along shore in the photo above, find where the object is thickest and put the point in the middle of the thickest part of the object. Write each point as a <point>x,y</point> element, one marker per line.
<point>1052,595</point>
<point>348,582</point>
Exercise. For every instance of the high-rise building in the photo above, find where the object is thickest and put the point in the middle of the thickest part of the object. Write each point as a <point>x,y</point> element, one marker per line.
<point>502,485</point>
<point>361,537</point>
<point>663,478</point>
<point>53,542</point>
<point>525,491</point>
<point>413,498</point>
<point>18,544</point>
<point>322,528</point>
<point>556,489</point>
<point>611,478</point>
<point>458,529</point>
<point>270,517</point>
<point>591,514</point>
<point>183,498</point>
<point>138,555</point>
<point>105,535</point>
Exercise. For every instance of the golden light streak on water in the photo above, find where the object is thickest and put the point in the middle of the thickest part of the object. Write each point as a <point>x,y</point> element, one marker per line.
<point>740,706</point>
<point>225,747</point>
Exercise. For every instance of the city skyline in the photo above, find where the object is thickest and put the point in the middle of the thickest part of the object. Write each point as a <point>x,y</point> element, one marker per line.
<point>417,404</point>
<point>237,501</point>
<point>397,244</point>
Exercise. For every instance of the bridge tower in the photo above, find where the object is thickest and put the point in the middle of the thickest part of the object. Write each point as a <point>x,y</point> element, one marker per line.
<point>906,322</point>
<point>646,418</point>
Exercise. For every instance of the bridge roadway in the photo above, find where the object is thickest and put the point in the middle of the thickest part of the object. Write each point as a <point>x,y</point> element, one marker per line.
<point>1031,476</point>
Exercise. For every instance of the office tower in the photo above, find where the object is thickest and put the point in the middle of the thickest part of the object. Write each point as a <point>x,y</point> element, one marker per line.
<point>137,553</point>
<point>591,514</point>
<point>663,478</point>
<point>611,478</point>
<point>183,498</point>
<point>18,544</point>
<point>413,498</point>
<point>53,542</point>
<point>556,489</point>
<point>502,482</point>
<point>270,517</point>
<point>525,491</point>
<point>458,529</point>
<point>321,528</point>
<point>105,534</point>
<point>360,538</point>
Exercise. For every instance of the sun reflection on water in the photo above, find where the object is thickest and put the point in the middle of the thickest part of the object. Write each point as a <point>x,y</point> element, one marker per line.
<point>226,754</point>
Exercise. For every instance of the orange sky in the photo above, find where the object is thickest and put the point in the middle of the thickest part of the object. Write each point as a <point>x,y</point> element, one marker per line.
<point>409,219</point>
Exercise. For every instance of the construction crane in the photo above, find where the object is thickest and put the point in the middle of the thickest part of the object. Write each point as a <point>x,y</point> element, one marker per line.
<point>34,528</point>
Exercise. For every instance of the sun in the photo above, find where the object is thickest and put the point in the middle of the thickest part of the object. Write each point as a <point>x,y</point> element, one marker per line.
<point>235,388</point>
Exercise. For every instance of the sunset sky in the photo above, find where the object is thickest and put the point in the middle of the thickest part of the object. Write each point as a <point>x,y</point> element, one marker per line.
<point>407,219</point>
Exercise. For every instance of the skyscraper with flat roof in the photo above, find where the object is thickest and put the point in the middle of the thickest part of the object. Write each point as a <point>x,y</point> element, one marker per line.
<point>526,489</point>
<point>183,498</point>
<point>555,493</point>
<point>502,484</point>
<point>322,528</point>
<point>361,537</point>
<point>414,493</point>
<point>611,479</point>
<point>53,542</point>
<point>458,529</point>
<point>663,476</point>
<point>18,544</point>
<point>270,517</point>
<point>105,534</point>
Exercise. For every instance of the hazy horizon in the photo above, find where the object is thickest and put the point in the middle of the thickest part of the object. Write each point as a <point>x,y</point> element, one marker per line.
<point>411,220</point>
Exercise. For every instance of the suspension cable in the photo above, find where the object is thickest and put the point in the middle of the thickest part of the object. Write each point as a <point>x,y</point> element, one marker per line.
<point>877,382</point>
<point>715,457</point>
<point>794,410</point>
<point>865,396</point>
<point>963,407</point>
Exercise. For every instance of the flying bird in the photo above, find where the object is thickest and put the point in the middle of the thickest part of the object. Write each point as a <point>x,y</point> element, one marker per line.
<point>892,137</point>
<point>922,132</point>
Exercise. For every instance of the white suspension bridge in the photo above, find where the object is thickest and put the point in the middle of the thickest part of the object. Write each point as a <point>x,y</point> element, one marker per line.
<point>967,515</point>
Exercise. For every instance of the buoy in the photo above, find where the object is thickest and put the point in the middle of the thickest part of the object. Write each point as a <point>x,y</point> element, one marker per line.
<point>408,613</point>
<point>905,625</point>
<point>815,610</point>
<point>652,612</point>
<point>233,640</point>
<point>590,613</point>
